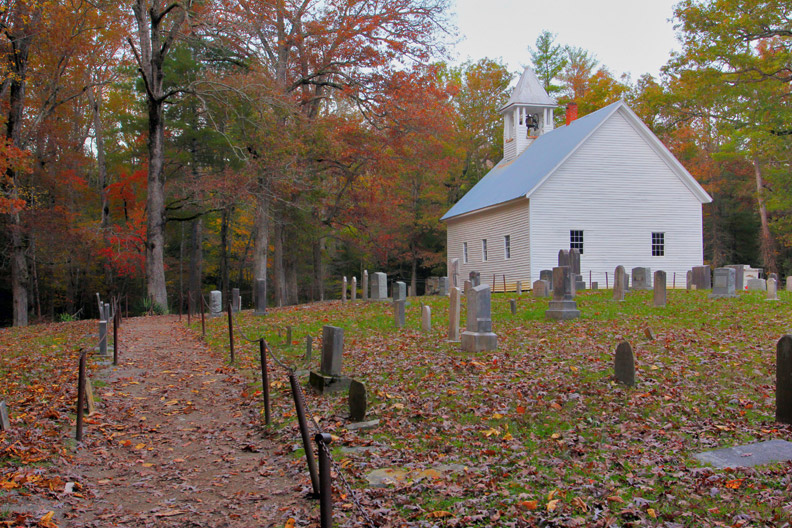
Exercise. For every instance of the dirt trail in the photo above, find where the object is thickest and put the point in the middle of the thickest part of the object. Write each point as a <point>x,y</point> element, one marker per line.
<point>175,444</point>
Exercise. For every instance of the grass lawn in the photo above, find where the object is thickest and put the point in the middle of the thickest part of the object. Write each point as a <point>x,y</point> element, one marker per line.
<point>537,432</point>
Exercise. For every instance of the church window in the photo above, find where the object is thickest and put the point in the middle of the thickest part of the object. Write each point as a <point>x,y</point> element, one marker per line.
<point>576,240</point>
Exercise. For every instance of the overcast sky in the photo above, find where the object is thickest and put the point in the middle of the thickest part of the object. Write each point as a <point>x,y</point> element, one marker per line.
<point>627,36</point>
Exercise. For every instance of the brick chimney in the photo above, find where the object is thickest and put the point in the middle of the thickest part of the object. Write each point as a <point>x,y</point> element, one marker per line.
<point>571,112</point>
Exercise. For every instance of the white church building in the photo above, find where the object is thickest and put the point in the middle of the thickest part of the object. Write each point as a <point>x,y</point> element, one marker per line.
<point>603,184</point>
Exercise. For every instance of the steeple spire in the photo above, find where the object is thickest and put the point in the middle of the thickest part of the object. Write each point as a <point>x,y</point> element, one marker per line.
<point>527,115</point>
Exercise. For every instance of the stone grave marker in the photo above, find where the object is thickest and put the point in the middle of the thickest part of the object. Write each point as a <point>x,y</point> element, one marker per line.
<point>357,401</point>
<point>626,282</point>
<point>702,277</point>
<point>364,286</point>
<point>595,286</point>
<point>789,283</point>
<point>454,309</point>
<point>563,258</point>
<point>354,289</point>
<point>261,297</point>
<point>478,335</point>
<point>574,263</point>
<point>455,273</point>
<point>443,290</point>
<point>467,287</point>
<point>329,378</point>
<point>773,276</point>
<point>642,278</point>
<point>660,295</point>
<point>399,291</point>
<point>618,283</point>
<point>739,276</point>
<point>519,287</point>
<point>379,286</point>
<point>624,364</point>
<point>563,306</point>
<point>426,318</point>
<point>749,455</point>
<point>344,289</point>
<point>513,306</point>
<point>236,300</point>
<point>689,280</point>
<point>724,284</point>
<point>106,314</point>
<point>475,279</point>
<point>541,289</point>
<point>772,289</point>
<point>784,380</point>
<point>756,285</point>
<point>398,313</point>
<point>5,421</point>
<point>215,303</point>
<point>547,275</point>
<point>103,338</point>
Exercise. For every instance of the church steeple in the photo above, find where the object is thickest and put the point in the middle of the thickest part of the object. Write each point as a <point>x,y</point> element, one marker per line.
<point>527,115</point>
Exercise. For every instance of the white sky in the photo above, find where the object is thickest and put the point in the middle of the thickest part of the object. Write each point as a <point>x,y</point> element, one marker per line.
<point>627,36</point>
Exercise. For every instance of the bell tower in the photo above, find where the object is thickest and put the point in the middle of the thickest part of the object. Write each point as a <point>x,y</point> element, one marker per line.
<point>527,115</point>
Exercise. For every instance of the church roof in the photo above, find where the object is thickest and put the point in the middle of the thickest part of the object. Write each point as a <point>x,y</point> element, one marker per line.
<point>520,177</point>
<point>529,91</point>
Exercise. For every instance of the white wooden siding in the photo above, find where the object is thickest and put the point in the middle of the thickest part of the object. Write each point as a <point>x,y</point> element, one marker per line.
<point>510,219</point>
<point>618,190</point>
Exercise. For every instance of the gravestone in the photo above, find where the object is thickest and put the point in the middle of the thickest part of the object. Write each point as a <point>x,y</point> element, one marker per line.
<point>519,287</point>
<point>454,309</point>
<point>475,279</point>
<point>455,273</point>
<point>354,289</point>
<point>399,291</point>
<point>595,286</point>
<point>513,306</point>
<point>329,378</point>
<point>789,283</point>
<point>618,283</point>
<point>626,282</point>
<point>426,318</point>
<point>642,278</point>
<point>563,258</point>
<point>739,276</point>
<point>261,297</point>
<point>343,289</point>
<point>398,313</point>
<point>5,421</point>
<point>364,286</point>
<point>379,286</point>
<point>467,287</point>
<point>236,300</point>
<point>547,275</point>
<point>443,290</point>
<point>215,303</point>
<point>756,285</point>
<point>541,289</point>
<point>702,277</point>
<point>308,347</point>
<point>772,290</point>
<point>357,401</point>
<point>107,315</point>
<point>563,306</point>
<point>773,276</point>
<point>478,335</point>
<point>724,284</point>
<point>102,338</point>
<point>574,263</point>
<point>689,280</point>
<point>432,286</point>
<point>784,380</point>
<point>624,364</point>
<point>749,455</point>
<point>660,295</point>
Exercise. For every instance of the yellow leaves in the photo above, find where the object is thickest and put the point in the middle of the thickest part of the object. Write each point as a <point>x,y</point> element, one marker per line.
<point>551,506</point>
<point>171,402</point>
<point>530,505</point>
<point>439,514</point>
<point>398,406</point>
<point>46,521</point>
<point>734,484</point>
<point>140,446</point>
<point>290,523</point>
<point>652,513</point>
<point>555,436</point>
<point>616,498</point>
<point>491,432</point>
<point>497,416</point>
<point>555,406</point>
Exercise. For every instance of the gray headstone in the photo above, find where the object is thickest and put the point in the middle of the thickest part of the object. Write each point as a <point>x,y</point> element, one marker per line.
<point>475,279</point>
<point>426,318</point>
<point>541,289</point>
<point>660,296</point>
<point>261,297</point>
<point>399,313</point>
<point>215,303</point>
<point>626,282</point>
<point>354,289</point>
<point>5,421</point>
<point>467,287</point>
<point>308,347</point>
<point>689,280</point>
<point>624,364</point>
<point>519,287</point>
<point>784,380</point>
<point>107,315</point>
<point>757,454</point>
<point>478,335</point>
<point>236,300</point>
<point>344,289</point>
<point>454,309</point>
<point>574,262</point>
<point>642,278</point>
<point>379,286</point>
<point>399,291</point>
<point>513,306</point>
<point>773,276</point>
<point>595,286</point>
<point>772,289</point>
<point>547,275</point>
<point>739,274</point>
<point>563,306</point>
<point>364,286</point>
<point>357,401</point>
<point>332,350</point>
<point>103,338</point>
<point>455,273</point>
<point>724,283</point>
<point>563,258</point>
<point>618,283</point>
<point>443,286</point>
<point>756,285</point>
<point>702,277</point>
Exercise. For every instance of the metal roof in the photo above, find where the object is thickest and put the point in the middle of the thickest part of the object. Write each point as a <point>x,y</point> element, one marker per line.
<point>529,92</point>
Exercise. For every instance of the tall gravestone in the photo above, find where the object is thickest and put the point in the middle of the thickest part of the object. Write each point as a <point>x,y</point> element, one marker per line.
<point>624,364</point>
<point>103,338</point>
<point>519,287</point>
<point>443,290</point>
<point>789,283</point>
<point>574,264</point>
<point>642,278</point>
<point>426,318</point>
<point>379,286</point>
<point>773,276</point>
<point>365,285</point>
<point>455,273</point>
<point>399,291</point>
<point>354,289</point>
<point>724,284</point>
<point>357,401</point>
<point>739,276</point>
<point>399,313</point>
<point>547,276</point>
<point>478,335</point>
<point>618,283</point>
<point>660,295</point>
<point>5,421</point>
<point>261,297</point>
<point>329,378</point>
<point>689,280</point>
<point>772,289</point>
<point>784,380</point>
<point>454,309</point>
<point>702,277</point>
<point>344,289</point>
<point>215,303</point>
<point>563,306</point>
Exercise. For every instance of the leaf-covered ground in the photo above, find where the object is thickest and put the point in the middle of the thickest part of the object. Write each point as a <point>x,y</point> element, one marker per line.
<point>538,433</point>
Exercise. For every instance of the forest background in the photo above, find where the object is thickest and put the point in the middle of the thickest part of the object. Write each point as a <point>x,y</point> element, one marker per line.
<point>153,148</point>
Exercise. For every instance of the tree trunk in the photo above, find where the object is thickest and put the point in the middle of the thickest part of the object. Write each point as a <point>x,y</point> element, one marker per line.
<point>101,165</point>
<point>224,282</point>
<point>261,242</point>
<point>318,268</point>
<point>767,245</point>
<point>292,292</point>
<point>414,279</point>
<point>196,263</point>
<point>278,270</point>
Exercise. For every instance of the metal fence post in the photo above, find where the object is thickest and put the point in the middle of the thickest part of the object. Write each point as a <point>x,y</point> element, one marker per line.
<point>326,482</point>
<point>231,331</point>
<point>309,454</point>
<point>80,395</point>
<point>116,317</point>
<point>265,381</point>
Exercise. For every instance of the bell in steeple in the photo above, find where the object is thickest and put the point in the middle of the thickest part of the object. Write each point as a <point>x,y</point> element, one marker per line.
<point>527,115</point>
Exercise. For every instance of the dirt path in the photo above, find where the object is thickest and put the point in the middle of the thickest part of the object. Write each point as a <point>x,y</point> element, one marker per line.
<point>175,444</point>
